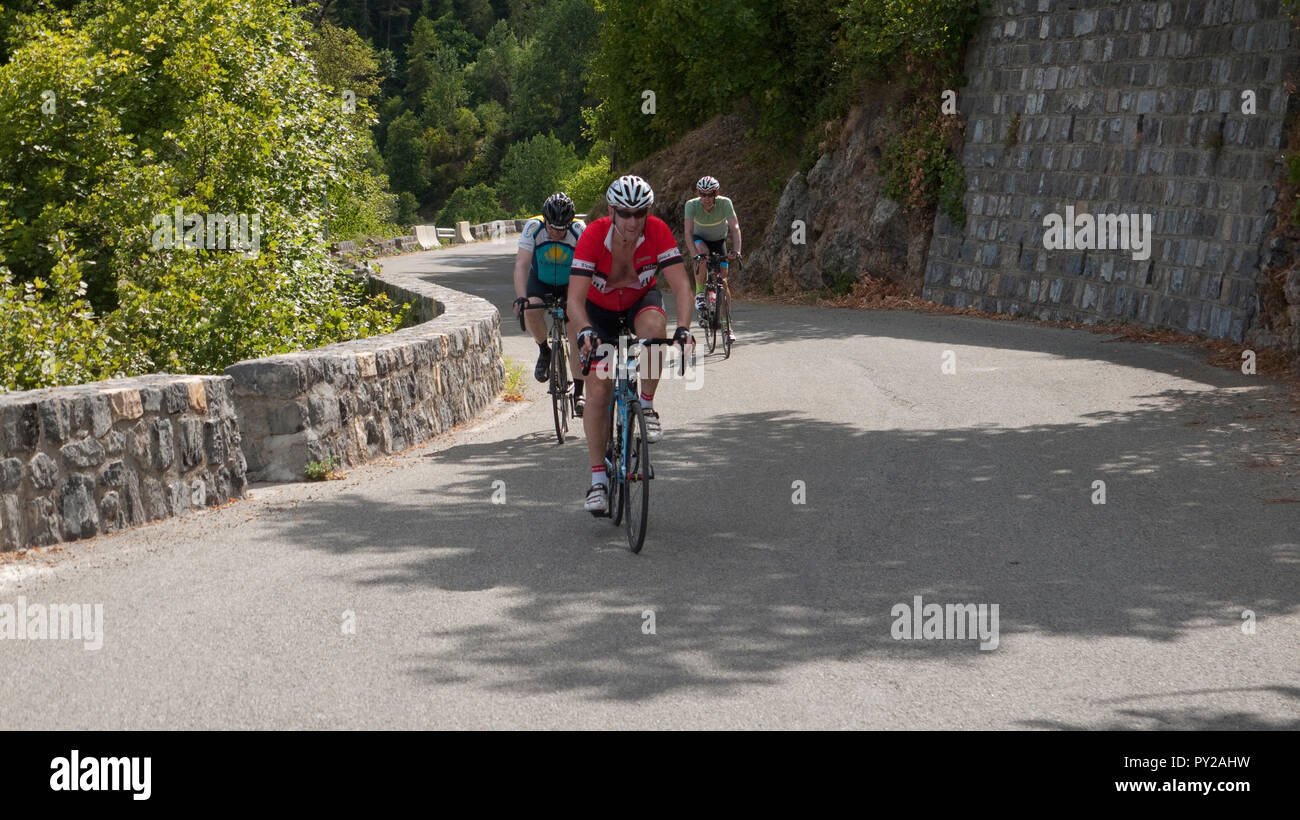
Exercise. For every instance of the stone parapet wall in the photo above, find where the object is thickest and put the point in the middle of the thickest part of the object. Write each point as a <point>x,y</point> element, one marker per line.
<point>82,461</point>
<point>358,400</point>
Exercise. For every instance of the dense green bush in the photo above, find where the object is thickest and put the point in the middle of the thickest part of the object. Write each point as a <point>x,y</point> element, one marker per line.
<point>908,40</point>
<point>532,170</point>
<point>198,316</point>
<point>207,106</point>
<point>586,187</point>
<point>920,166</point>
<point>790,64</point>
<point>472,205</point>
<point>49,334</point>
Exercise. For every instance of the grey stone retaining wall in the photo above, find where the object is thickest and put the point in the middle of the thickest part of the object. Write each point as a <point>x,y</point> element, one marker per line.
<point>1119,107</point>
<point>362,399</point>
<point>80,461</point>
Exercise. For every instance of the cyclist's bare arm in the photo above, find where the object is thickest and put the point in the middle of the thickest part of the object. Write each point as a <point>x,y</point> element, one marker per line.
<point>523,261</point>
<point>733,224</point>
<point>577,307</point>
<point>688,231</point>
<point>683,291</point>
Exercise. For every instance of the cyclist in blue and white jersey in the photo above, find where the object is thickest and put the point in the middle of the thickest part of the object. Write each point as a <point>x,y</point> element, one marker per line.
<point>542,267</point>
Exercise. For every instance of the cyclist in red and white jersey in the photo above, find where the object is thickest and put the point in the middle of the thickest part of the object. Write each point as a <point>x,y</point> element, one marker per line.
<point>620,254</point>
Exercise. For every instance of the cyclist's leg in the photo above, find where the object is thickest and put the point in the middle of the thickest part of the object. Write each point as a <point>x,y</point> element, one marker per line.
<point>536,324</point>
<point>595,420</point>
<point>575,367</point>
<point>533,319</point>
<point>701,267</point>
<point>650,320</point>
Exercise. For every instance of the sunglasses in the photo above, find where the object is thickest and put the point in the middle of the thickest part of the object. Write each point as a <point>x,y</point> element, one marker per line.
<point>637,214</point>
<point>709,196</point>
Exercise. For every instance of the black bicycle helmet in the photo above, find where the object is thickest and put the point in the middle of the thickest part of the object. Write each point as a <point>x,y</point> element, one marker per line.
<point>558,210</point>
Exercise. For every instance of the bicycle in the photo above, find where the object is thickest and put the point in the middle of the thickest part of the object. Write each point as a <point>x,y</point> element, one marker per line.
<point>560,386</point>
<point>627,454</point>
<point>717,305</point>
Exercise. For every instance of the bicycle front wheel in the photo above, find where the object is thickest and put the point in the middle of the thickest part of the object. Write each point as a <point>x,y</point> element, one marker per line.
<point>559,390</point>
<point>636,490</point>
<point>614,474</point>
<point>710,325</point>
<point>724,319</point>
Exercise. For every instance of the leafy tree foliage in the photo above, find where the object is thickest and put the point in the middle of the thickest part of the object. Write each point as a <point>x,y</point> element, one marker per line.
<point>551,78</point>
<point>473,205</point>
<point>49,333</point>
<point>532,171</point>
<point>209,106</point>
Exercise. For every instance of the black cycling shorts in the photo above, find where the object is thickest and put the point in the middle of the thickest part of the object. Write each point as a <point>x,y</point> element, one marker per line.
<point>715,245</point>
<point>536,287</point>
<point>605,321</point>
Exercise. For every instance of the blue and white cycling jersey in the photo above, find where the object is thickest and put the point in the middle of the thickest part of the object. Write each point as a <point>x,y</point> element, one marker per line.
<point>551,259</point>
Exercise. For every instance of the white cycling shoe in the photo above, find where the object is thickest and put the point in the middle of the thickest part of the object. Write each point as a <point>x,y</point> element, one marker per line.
<point>653,430</point>
<point>597,499</point>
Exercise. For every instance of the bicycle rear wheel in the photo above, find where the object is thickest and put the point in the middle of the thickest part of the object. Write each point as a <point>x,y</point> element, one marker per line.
<point>559,390</point>
<point>724,320</point>
<point>636,489</point>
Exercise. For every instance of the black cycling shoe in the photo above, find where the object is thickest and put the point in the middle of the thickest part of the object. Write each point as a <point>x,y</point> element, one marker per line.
<point>542,371</point>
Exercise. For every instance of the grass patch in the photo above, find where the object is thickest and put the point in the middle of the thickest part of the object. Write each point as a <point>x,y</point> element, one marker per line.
<point>324,470</point>
<point>514,390</point>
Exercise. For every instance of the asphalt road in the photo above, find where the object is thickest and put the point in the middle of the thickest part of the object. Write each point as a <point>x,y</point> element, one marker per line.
<point>971,487</point>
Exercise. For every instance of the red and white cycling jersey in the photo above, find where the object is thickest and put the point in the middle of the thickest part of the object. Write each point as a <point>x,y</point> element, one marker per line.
<point>593,257</point>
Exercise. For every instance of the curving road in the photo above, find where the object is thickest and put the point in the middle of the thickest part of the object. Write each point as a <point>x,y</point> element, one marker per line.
<point>971,487</point>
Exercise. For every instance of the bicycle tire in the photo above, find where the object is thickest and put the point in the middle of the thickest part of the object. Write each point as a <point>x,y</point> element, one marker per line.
<point>559,390</point>
<point>636,490</point>
<point>710,326</point>
<point>615,473</point>
<point>724,320</point>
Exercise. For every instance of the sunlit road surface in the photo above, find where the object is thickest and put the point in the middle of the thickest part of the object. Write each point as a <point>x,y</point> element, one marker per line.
<point>806,491</point>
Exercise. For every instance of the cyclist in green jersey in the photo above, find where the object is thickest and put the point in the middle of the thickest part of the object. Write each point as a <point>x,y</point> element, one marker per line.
<point>710,219</point>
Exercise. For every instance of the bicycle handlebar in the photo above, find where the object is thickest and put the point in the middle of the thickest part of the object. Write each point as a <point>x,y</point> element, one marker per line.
<point>551,303</point>
<point>587,362</point>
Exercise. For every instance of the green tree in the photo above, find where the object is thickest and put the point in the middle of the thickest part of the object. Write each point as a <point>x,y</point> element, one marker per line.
<point>491,146</point>
<point>551,78</point>
<point>206,106</point>
<point>492,75</point>
<point>404,148</point>
<point>532,170</point>
<point>434,83</point>
<point>345,62</point>
<point>360,203</point>
<point>586,186</point>
<point>49,334</point>
<point>473,205</point>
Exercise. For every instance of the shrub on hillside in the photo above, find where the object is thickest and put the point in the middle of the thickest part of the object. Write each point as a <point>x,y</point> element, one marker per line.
<point>472,205</point>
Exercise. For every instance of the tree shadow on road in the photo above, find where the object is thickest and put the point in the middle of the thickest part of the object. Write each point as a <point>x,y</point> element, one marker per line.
<point>745,584</point>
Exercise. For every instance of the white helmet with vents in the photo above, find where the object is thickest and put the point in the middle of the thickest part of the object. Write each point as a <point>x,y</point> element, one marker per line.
<point>630,192</point>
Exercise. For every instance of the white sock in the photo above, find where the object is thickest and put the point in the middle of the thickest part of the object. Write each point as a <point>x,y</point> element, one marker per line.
<point>598,476</point>
<point>647,402</point>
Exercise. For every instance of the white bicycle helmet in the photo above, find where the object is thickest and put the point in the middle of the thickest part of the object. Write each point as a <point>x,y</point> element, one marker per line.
<point>630,192</point>
<point>707,184</point>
